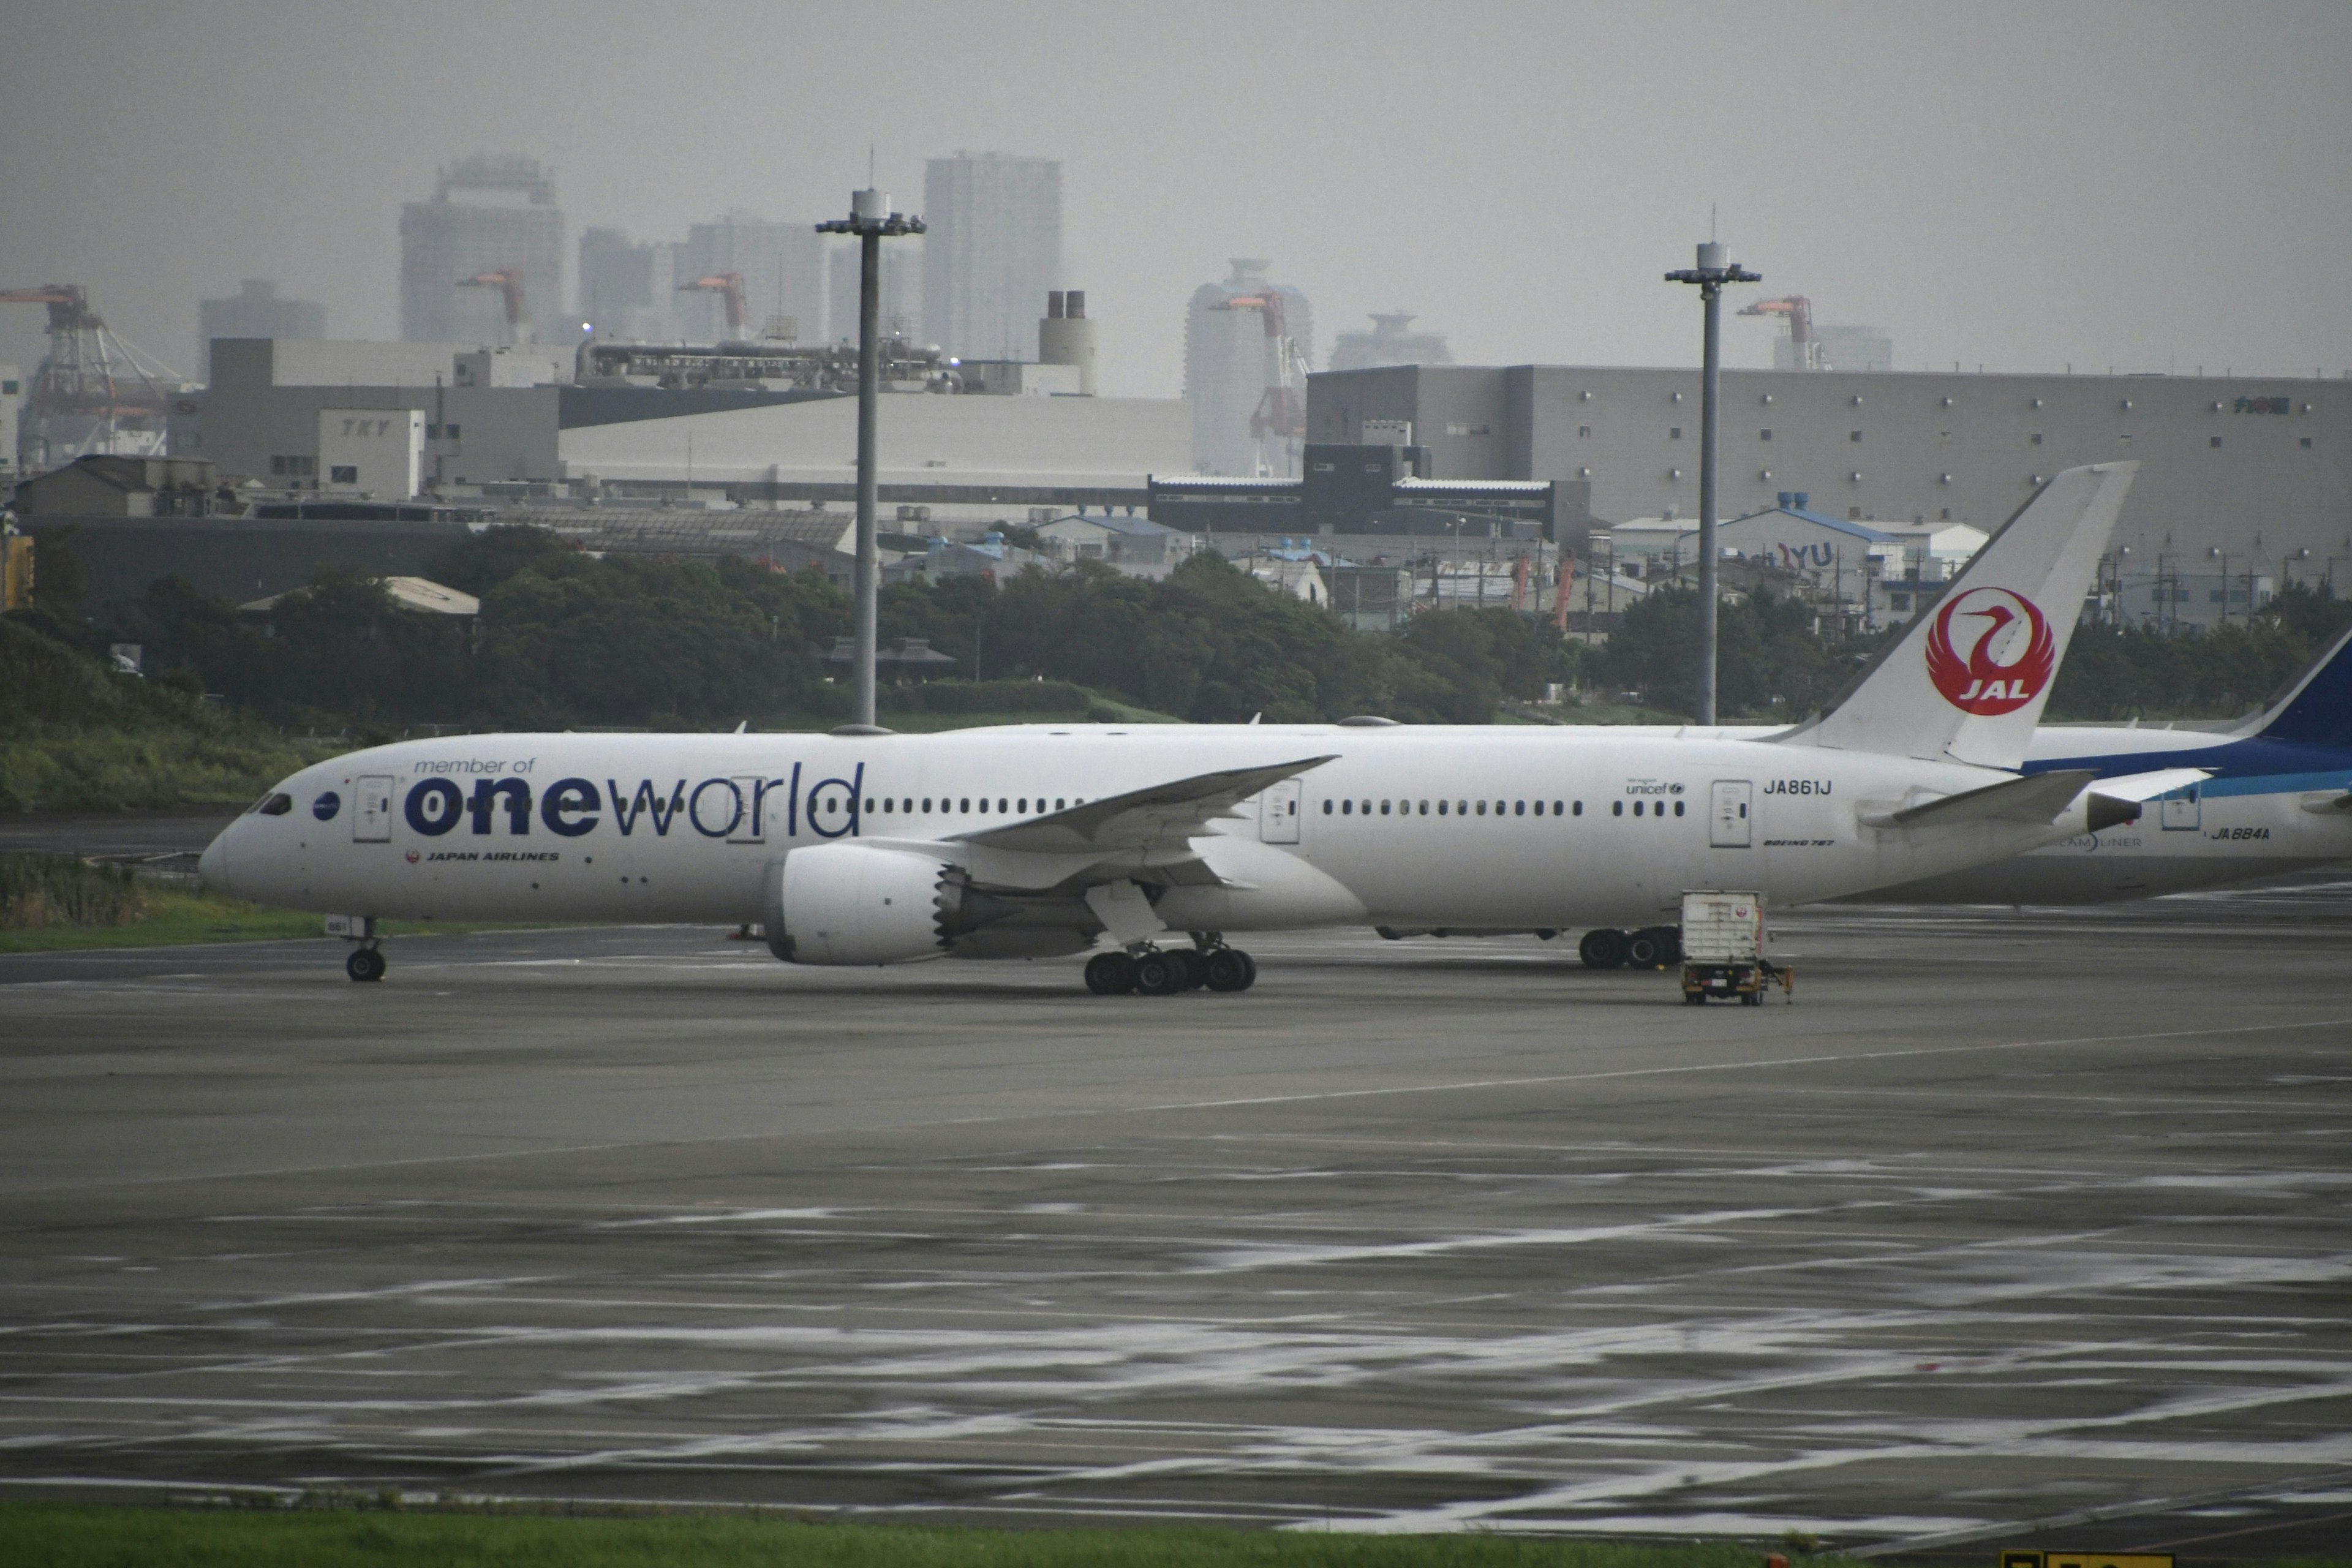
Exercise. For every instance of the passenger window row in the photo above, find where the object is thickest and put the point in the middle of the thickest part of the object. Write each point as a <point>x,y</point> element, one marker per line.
<point>1479,809</point>
<point>1453,808</point>
<point>892,806</point>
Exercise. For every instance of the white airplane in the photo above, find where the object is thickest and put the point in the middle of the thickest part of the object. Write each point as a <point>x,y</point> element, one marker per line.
<point>2276,798</point>
<point>865,848</point>
<point>2266,795</point>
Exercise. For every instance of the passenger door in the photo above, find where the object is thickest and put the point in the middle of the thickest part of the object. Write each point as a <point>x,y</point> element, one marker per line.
<point>372,812</point>
<point>1730,822</point>
<point>1278,813</point>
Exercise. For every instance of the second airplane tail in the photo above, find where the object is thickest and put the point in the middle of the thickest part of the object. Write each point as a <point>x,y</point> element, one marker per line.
<point>1968,681</point>
<point>2317,708</point>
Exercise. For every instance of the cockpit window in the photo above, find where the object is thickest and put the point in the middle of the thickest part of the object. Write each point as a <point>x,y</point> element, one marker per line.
<point>275,805</point>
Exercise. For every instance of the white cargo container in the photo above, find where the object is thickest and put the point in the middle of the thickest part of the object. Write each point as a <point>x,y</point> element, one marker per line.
<point>376,452</point>
<point>1723,948</point>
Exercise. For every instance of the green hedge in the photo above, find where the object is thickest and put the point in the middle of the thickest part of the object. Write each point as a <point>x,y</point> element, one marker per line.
<point>984,696</point>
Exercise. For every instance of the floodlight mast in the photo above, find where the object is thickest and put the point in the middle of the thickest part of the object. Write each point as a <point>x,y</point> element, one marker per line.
<point>871,219</point>
<point>1711,274</point>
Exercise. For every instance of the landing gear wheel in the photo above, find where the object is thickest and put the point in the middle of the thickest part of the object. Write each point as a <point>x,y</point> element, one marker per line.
<point>1196,968</point>
<point>1653,947</point>
<point>1228,969</point>
<point>365,964</point>
<point>1602,949</point>
<point>1110,974</point>
<point>1161,973</point>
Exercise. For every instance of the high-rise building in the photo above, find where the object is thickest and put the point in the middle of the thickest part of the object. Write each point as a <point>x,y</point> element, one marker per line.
<point>1391,342</point>
<point>491,213</point>
<point>902,292</point>
<point>781,268</point>
<point>616,284</point>
<point>1247,345</point>
<point>255,310</point>
<point>993,249</point>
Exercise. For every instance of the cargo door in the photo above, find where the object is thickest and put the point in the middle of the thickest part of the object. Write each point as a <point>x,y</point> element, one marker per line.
<point>2179,811</point>
<point>372,812</point>
<point>1278,813</point>
<point>1731,814</point>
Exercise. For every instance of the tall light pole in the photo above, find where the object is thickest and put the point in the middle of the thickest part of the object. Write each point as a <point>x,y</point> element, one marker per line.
<point>871,220</point>
<point>1711,274</point>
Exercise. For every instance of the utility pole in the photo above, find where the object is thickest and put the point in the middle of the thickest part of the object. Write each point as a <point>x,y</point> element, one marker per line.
<point>871,219</point>
<point>1711,274</point>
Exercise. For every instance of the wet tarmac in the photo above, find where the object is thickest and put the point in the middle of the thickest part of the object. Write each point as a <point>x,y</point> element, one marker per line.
<point>2014,1227</point>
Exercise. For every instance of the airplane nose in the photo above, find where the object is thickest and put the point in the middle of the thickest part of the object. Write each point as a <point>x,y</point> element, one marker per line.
<point>212,865</point>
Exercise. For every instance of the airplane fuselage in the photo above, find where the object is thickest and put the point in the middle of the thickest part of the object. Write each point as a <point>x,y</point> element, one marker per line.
<point>1477,828</point>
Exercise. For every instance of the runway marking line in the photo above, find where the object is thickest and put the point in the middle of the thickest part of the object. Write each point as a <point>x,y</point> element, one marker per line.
<point>1050,1113</point>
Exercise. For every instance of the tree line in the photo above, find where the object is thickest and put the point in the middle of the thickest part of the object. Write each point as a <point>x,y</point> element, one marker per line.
<point>567,639</point>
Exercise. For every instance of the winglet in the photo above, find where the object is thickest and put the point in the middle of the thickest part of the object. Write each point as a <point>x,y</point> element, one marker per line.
<point>1968,681</point>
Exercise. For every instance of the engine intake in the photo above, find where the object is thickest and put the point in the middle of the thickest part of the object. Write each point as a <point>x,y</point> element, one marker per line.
<point>859,904</point>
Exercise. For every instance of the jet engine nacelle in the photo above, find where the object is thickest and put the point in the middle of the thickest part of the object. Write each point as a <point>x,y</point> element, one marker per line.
<point>855,903</point>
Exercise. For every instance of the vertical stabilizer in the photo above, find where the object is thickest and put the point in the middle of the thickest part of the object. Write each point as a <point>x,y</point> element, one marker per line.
<point>2317,708</point>
<point>1968,681</point>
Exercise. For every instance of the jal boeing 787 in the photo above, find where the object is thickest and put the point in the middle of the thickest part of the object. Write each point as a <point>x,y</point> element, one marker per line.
<point>1159,844</point>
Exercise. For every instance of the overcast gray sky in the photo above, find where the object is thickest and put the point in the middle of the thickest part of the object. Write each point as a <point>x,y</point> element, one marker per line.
<point>2148,185</point>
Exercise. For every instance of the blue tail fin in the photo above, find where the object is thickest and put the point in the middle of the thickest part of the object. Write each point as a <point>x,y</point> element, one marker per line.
<point>2317,709</point>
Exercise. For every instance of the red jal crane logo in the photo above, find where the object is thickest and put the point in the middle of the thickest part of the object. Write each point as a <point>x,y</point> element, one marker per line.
<point>1967,635</point>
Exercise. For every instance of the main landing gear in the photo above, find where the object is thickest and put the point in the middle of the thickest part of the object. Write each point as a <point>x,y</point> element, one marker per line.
<point>1151,971</point>
<point>1652,947</point>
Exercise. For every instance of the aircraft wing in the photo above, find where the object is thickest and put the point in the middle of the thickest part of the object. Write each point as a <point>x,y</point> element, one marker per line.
<point>1160,818</point>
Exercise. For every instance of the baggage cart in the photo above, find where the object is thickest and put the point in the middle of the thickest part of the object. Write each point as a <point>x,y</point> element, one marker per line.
<point>1723,948</point>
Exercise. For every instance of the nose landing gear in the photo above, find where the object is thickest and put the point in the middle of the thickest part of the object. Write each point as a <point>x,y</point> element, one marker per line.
<point>366,963</point>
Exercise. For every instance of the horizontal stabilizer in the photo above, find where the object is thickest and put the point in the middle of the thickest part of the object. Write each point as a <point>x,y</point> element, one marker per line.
<point>2147,786</point>
<point>2036,797</point>
<point>1163,816</point>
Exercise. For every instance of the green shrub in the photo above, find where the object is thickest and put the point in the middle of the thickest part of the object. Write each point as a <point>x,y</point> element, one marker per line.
<point>41,891</point>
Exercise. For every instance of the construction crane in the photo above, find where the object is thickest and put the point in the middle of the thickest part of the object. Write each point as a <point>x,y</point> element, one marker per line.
<point>94,392</point>
<point>731,286</point>
<point>1281,412</point>
<point>508,281</point>
<point>1799,311</point>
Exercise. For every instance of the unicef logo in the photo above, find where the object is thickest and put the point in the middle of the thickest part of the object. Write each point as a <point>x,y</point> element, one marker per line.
<point>326,805</point>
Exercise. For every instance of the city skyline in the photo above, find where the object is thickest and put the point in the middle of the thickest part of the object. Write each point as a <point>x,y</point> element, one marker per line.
<point>1603,141</point>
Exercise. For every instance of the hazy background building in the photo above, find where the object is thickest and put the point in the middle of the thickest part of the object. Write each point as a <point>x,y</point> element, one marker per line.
<point>1836,347</point>
<point>255,310</point>
<point>991,252</point>
<point>1392,341</point>
<point>780,264</point>
<point>625,286</point>
<point>1232,361</point>
<point>492,212</point>
<point>902,292</point>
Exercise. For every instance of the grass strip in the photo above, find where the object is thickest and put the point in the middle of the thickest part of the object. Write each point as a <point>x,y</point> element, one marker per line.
<point>72,1535</point>
<point>170,917</point>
